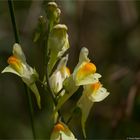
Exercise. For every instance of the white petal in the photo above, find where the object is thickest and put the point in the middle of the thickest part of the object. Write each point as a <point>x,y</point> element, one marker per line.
<point>56,81</point>
<point>64,136</point>
<point>100,95</point>
<point>11,70</point>
<point>90,79</point>
<point>18,52</point>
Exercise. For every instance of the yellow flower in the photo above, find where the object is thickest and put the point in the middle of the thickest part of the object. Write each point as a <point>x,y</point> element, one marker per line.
<point>92,93</point>
<point>85,71</point>
<point>18,65</point>
<point>62,132</point>
<point>83,74</point>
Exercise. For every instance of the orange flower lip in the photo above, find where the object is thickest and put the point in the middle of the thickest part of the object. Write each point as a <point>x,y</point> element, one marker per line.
<point>15,63</point>
<point>86,69</point>
<point>12,60</point>
<point>59,127</point>
<point>96,86</point>
<point>90,67</point>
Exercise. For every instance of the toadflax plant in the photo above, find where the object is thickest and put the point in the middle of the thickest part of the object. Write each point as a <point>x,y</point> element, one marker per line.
<point>58,81</point>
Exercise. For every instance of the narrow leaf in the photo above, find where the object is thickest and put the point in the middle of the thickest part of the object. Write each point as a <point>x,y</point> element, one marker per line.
<point>34,89</point>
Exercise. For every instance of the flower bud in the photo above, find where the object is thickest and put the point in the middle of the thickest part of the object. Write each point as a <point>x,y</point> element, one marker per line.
<point>40,30</point>
<point>58,37</point>
<point>53,12</point>
<point>57,43</point>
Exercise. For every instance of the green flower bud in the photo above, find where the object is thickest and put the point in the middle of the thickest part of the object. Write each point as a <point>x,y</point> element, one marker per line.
<point>58,37</point>
<point>53,12</point>
<point>40,30</point>
<point>57,43</point>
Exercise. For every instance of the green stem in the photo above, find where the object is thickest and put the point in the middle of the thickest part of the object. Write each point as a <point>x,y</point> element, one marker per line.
<point>31,111</point>
<point>46,70</point>
<point>17,40</point>
<point>12,14</point>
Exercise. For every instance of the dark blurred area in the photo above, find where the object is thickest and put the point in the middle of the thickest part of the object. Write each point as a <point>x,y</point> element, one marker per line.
<point>111,32</point>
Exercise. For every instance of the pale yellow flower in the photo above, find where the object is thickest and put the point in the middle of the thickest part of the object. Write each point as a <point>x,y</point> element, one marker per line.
<point>18,65</point>
<point>59,75</point>
<point>91,93</point>
<point>85,71</point>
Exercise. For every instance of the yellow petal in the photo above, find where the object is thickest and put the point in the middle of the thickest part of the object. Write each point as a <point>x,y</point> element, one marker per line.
<point>87,69</point>
<point>67,71</point>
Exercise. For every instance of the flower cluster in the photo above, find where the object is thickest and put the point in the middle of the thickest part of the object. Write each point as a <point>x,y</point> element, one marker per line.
<point>61,81</point>
<point>84,75</point>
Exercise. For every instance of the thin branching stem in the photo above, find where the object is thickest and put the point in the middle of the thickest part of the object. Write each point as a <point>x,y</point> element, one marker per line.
<point>17,40</point>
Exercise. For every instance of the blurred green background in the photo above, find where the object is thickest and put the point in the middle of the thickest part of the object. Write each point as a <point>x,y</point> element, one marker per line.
<point>111,32</point>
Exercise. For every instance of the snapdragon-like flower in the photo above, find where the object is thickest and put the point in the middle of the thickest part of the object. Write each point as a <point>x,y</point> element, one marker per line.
<point>18,65</point>
<point>91,93</point>
<point>62,132</point>
<point>59,75</point>
<point>85,71</point>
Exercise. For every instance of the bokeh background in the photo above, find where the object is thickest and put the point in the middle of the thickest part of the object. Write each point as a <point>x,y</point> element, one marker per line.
<point>110,29</point>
